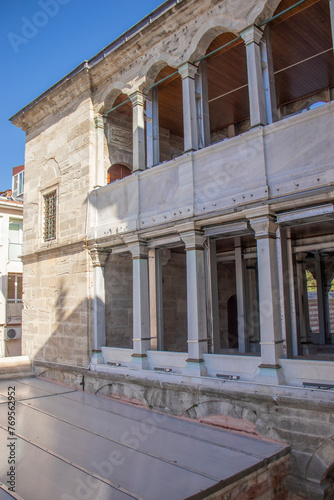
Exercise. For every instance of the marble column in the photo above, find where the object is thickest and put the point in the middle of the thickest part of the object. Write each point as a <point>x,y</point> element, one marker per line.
<point>202,99</point>
<point>99,165</point>
<point>190,128</point>
<point>284,285</point>
<point>99,258</point>
<point>196,302</point>
<point>156,299</point>
<point>141,303</point>
<point>319,275</point>
<point>252,37</point>
<point>269,296</point>
<point>268,78</point>
<point>331,6</point>
<point>240,285</point>
<point>152,129</point>
<point>138,127</point>
<point>212,291</point>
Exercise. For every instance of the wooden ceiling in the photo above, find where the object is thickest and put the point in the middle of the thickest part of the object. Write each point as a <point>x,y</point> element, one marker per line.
<point>227,71</point>
<point>300,34</point>
<point>170,101</point>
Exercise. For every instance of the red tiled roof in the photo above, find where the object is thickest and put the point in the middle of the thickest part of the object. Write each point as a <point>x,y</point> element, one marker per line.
<point>17,170</point>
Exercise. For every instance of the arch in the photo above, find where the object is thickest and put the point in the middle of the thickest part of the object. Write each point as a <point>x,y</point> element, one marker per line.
<point>50,172</point>
<point>207,33</point>
<point>154,69</point>
<point>320,466</point>
<point>118,171</point>
<point>109,96</point>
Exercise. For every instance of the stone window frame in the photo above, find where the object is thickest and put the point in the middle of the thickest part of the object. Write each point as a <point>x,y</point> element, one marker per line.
<point>50,215</point>
<point>50,188</point>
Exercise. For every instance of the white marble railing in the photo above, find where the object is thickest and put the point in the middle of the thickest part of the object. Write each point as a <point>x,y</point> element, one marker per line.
<point>284,158</point>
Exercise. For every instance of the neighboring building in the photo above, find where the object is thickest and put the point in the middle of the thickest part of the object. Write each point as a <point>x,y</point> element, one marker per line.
<point>11,222</point>
<point>179,185</point>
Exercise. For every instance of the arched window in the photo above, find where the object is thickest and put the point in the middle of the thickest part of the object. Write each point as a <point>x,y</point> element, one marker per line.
<point>117,172</point>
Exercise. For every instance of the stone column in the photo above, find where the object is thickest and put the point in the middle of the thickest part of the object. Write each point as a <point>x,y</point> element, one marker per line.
<point>152,129</point>
<point>303,308</point>
<point>252,37</point>
<point>202,99</point>
<point>212,291</point>
<point>240,285</point>
<point>268,78</point>
<point>269,298</point>
<point>156,299</point>
<point>319,275</point>
<point>196,302</point>
<point>331,6</point>
<point>190,129</point>
<point>99,167</point>
<point>284,286</point>
<point>99,258</point>
<point>138,127</point>
<point>141,303</point>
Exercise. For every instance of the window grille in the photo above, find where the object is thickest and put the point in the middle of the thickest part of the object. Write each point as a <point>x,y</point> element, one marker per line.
<point>50,200</point>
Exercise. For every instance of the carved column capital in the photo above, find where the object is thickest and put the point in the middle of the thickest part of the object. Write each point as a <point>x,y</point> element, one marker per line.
<point>193,240</point>
<point>188,70</point>
<point>253,34</point>
<point>264,227</point>
<point>137,247</point>
<point>138,98</point>
<point>98,256</point>
<point>100,121</point>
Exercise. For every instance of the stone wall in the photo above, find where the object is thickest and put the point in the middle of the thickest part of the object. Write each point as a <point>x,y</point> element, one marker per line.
<point>119,311</point>
<point>57,307</point>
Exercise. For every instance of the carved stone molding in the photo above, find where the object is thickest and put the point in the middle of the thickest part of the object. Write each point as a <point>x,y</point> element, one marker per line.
<point>264,227</point>
<point>98,256</point>
<point>193,240</point>
<point>99,121</point>
<point>137,247</point>
<point>252,35</point>
<point>187,70</point>
<point>138,98</point>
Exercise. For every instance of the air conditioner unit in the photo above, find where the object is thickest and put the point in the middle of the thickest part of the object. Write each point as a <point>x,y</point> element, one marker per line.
<point>13,333</point>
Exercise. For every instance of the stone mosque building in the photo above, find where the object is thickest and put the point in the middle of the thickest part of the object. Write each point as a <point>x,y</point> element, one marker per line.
<point>178,222</point>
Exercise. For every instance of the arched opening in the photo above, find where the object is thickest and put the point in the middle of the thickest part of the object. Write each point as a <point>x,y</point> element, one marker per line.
<point>227,87</point>
<point>168,99</point>
<point>117,172</point>
<point>302,52</point>
<point>118,131</point>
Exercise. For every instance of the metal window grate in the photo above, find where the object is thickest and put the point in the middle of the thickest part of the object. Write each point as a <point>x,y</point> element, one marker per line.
<point>50,200</point>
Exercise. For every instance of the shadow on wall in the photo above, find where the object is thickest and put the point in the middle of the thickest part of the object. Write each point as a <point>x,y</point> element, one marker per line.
<point>63,332</point>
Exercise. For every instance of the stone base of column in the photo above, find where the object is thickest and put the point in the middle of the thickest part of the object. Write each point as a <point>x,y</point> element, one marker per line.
<point>195,368</point>
<point>96,359</point>
<point>270,374</point>
<point>139,362</point>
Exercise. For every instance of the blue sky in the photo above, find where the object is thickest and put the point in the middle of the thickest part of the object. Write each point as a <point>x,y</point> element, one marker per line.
<point>43,40</point>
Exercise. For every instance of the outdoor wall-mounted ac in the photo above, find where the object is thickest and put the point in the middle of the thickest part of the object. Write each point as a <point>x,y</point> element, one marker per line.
<point>13,333</point>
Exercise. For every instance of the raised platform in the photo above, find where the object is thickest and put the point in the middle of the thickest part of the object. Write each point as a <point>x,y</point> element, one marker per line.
<point>72,444</point>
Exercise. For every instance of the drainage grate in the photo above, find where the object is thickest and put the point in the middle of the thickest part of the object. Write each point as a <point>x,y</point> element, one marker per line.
<point>324,387</point>
<point>227,377</point>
